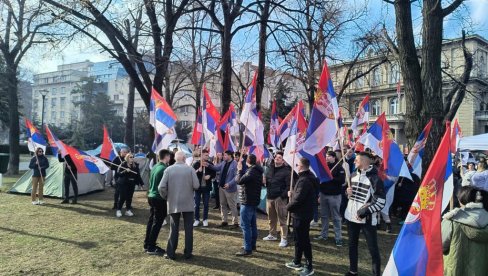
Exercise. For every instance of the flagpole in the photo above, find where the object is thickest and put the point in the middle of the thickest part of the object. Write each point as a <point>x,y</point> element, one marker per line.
<point>37,160</point>
<point>288,218</point>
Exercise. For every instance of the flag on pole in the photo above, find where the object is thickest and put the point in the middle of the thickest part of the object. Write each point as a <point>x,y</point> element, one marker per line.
<point>251,123</point>
<point>417,151</point>
<point>108,151</point>
<point>274,124</point>
<point>161,116</point>
<point>55,144</point>
<point>362,115</point>
<point>197,137</point>
<point>455,136</point>
<point>285,125</point>
<point>230,119</point>
<point>34,137</point>
<point>260,151</point>
<point>295,140</point>
<point>210,120</point>
<point>418,248</point>
<point>84,162</point>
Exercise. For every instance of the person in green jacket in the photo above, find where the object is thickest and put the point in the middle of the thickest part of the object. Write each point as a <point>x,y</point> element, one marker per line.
<point>465,235</point>
<point>158,208</point>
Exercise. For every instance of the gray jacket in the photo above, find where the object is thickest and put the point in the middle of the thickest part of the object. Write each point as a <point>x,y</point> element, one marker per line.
<point>177,186</point>
<point>231,174</point>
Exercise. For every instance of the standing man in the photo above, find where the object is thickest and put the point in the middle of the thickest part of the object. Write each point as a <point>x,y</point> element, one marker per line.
<point>205,177</point>
<point>277,187</point>
<point>227,187</point>
<point>302,202</point>
<point>330,199</point>
<point>177,187</point>
<point>158,209</point>
<point>70,176</point>
<point>38,165</point>
<point>349,168</point>
<point>366,199</point>
<point>251,182</point>
<point>115,166</point>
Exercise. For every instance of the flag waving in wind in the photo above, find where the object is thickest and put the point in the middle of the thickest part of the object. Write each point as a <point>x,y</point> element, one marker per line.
<point>55,144</point>
<point>295,140</point>
<point>197,137</point>
<point>210,120</point>
<point>417,151</point>
<point>84,162</point>
<point>163,119</point>
<point>34,137</point>
<point>285,125</point>
<point>362,115</point>
<point>418,248</point>
<point>274,124</point>
<point>108,151</point>
<point>251,123</point>
<point>455,136</point>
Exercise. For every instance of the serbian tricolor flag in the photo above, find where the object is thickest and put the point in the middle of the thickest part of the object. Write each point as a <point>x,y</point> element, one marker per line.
<point>274,124</point>
<point>210,120</point>
<point>285,125</point>
<point>418,248</point>
<point>55,144</point>
<point>362,115</point>
<point>108,151</point>
<point>417,151</point>
<point>260,152</point>
<point>296,138</point>
<point>251,123</point>
<point>455,136</point>
<point>224,141</point>
<point>229,119</point>
<point>161,116</point>
<point>84,162</point>
<point>34,137</point>
<point>197,137</point>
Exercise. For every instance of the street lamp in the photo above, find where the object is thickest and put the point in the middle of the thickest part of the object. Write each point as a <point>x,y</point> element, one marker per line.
<point>43,94</point>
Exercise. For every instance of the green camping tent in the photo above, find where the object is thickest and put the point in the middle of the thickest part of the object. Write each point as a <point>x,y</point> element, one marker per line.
<point>53,185</point>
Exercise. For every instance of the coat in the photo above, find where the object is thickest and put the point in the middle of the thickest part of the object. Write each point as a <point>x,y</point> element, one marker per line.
<point>230,177</point>
<point>43,164</point>
<point>278,181</point>
<point>251,182</point>
<point>177,187</point>
<point>465,241</point>
<point>303,199</point>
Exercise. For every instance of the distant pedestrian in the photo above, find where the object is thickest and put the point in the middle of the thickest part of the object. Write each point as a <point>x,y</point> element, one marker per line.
<point>38,164</point>
<point>177,187</point>
<point>128,176</point>
<point>70,177</point>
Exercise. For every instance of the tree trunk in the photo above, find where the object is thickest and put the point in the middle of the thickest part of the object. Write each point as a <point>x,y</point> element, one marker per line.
<point>13,102</point>
<point>129,117</point>
<point>262,53</point>
<point>226,69</point>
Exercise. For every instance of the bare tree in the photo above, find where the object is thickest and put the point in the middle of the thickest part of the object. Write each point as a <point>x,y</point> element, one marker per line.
<point>22,26</point>
<point>422,77</point>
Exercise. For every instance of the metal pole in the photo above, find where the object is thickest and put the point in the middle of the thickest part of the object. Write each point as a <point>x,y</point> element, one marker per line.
<point>42,114</point>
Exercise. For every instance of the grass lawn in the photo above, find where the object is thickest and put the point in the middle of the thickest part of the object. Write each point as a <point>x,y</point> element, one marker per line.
<point>87,239</point>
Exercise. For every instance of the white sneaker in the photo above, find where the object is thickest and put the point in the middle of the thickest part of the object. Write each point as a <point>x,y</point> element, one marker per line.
<point>164,222</point>
<point>283,243</point>
<point>196,223</point>
<point>35,203</point>
<point>118,213</point>
<point>314,224</point>
<point>129,213</point>
<point>205,223</point>
<point>270,238</point>
<point>40,202</point>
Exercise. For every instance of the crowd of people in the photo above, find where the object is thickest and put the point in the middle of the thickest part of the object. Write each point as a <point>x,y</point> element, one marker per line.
<point>355,196</point>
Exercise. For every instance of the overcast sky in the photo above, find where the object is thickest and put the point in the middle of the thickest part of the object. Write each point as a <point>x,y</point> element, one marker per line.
<point>43,60</point>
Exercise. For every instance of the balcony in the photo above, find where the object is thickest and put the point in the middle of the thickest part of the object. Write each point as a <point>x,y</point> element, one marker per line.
<point>481,115</point>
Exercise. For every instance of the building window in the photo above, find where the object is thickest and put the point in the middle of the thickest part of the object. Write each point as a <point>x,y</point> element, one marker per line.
<point>53,91</point>
<point>482,106</point>
<point>482,68</point>
<point>61,114</point>
<point>359,79</point>
<point>394,74</point>
<point>62,90</point>
<point>394,106</point>
<point>75,99</point>
<point>376,76</point>
<point>53,102</point>
<point>53,115</point>
<point>375,108</point>
<point>63,101</point>
<point>116,97</point>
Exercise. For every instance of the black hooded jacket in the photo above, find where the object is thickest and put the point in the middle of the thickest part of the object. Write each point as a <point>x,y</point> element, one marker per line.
<point>251,183</point>
<point>303,199</point>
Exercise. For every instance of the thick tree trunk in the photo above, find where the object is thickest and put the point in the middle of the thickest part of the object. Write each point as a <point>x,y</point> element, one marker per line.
<point>226,69</point>
<point>129,117</point>
<point>13,101</point>
<point>262,53</point>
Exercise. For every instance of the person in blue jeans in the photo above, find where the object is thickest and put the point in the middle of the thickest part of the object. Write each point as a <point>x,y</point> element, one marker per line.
<point>205,177</point>
<point>251,182</point>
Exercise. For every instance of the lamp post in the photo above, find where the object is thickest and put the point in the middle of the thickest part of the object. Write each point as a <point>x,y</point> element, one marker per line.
<point>43,94</point>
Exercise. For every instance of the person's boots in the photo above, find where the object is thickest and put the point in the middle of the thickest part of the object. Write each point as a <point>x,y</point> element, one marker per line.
<point>65,201</point>
<point>388,228</point>
<point>75,200</point>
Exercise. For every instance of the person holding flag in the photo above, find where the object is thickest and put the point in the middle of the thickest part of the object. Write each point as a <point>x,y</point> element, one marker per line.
<point>38,165</point>
<point>366,199</point>
<point>128,177</point>
<point>70,177</point>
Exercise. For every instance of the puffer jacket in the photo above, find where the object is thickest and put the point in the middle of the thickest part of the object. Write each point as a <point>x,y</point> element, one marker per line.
<point>465,241</point>
<point>278,181</point>
<point>303,199</point>
<point>251,183</point>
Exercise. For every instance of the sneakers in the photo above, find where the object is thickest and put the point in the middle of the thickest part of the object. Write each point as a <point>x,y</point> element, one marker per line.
<point>129,213</point>
<point>35,203</point>
<point>205,223</point>
<point>216,207</point>
<point>306,271</point>
<point>235,225</point>
<point>349,273</point>
<point>388,228</point>
<point>196,223</point>
<point>294,266</point>
<point>74,201</point>
<point>320,238</point>
<point>118,213</point>
<point>283,243</point>
<point>164,222</point>
<point>338,243</point>
<point>40,202</point>
<point>314,224</point>
<point>66,201</point>
<point>270,238</point>
<point>156,251</point>
<point>243,253</point>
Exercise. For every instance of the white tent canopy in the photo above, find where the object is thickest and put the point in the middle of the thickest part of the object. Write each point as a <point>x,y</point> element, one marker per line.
<point>477,142</point>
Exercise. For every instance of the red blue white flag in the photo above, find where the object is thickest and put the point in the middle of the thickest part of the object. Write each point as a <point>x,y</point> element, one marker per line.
<point>362,115</point>
<point>108,151</point>
<point>417,151</point>
<point>34,137</point>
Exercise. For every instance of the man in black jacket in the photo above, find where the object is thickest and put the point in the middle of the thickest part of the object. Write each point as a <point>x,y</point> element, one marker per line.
<point>330,199</point>
<point>203,193</point>
<point>38,164</point>
<point>277,187</point>
<point>366,199</point>
<point>251,182</point>
<point>70,176</point>
<point>302,203</point>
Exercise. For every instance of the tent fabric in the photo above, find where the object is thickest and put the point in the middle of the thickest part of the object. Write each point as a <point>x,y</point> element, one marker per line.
<point>53,184</point>
<point>477,142</point>
<point>144,169</point>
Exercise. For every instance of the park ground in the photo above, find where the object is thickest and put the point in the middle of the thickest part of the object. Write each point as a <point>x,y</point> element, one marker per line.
<point>87,239</point>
